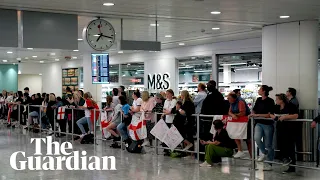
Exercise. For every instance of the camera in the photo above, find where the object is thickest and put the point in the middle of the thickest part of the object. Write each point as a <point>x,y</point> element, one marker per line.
<point>19,61</point>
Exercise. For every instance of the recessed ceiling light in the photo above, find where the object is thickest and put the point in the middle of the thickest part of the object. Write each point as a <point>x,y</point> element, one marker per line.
<point>40,74</point>
<point>168,36</point>
<point>80,39</point>
<point>34,56</point>
<point>57,60</point>
<point>41,61</point>
<point>181,44</point>
<point>120,52</point>
<point>26,58</point>
<point>108,4</point>
<point>96,35</point>
<point>14,63</point>
<point>154,24</point>
<point>52,54</point>
<point>18,59</point>
<point>284,17</point>
<point>215,28</point>
<point>215,12</point>
<point>9,52</point>
<point>76,50</point>
<point>206,61</point>
<point>30,48</point>
<point>4,60</point>
<point>74,57</point>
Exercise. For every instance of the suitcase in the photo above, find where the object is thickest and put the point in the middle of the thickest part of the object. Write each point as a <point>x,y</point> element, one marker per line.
<point>135,146</point>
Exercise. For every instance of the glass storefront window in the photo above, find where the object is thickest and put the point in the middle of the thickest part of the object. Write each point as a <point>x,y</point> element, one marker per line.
<point>192,71</point>
<point>132,74</point>
<point>240,71</point>
<point>114,73</point>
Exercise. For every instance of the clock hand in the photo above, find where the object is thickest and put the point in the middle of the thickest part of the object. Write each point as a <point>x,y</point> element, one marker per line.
<point>99,38</point>
<point>107,36</point>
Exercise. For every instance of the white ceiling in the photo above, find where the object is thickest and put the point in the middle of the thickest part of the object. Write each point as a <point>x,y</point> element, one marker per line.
<point>188,21</point>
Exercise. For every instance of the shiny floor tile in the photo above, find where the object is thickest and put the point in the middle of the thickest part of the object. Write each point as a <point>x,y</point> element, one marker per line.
<point>134,166</point>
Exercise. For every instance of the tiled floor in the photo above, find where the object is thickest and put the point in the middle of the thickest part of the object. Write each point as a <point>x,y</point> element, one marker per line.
<point>134,166</point>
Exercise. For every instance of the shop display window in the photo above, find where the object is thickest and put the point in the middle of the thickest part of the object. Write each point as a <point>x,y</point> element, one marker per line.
<point>132,74</point>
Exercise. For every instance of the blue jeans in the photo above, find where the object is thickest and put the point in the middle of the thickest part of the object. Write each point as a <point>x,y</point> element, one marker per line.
<point>122,128</point>
<point>266,132</point>
<point>84,120</point>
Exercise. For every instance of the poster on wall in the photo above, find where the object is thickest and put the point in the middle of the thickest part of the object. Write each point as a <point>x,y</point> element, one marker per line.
<point>70,78</point>
<point>100,68</point>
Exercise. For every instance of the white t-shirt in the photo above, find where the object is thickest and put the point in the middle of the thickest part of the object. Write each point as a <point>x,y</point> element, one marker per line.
<point>137,102</point>
<point>115,101</point>
<point>87,112</point>
<point>169,105</point>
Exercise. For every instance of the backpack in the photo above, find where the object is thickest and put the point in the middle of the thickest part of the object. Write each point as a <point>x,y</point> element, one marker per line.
<point>87,139</point>
<point>135,146</point>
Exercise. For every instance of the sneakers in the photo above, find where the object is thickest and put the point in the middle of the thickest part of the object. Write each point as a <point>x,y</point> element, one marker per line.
<point>286,162</point>
<point>82,135</point>
<point>289,170</point>
<point>205,164</point>
<point>267,167</point>
<point>239,154</point>
<point>262,157</point>
<point>188,147</point>
<point>145,143</point>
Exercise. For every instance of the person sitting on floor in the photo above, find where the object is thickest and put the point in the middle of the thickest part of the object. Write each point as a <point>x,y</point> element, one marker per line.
<point>221,146</point>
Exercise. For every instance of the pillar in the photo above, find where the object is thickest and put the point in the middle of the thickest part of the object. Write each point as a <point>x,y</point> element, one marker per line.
<point>94,89</point>
<point>226,74</point>
<point>290,59</point>
<point>215,68</point>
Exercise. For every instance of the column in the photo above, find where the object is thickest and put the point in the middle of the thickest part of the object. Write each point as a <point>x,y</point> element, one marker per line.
<point>290,59</point>
<point>94,89</point>
<point>215,68</point>
<point>226,74</point>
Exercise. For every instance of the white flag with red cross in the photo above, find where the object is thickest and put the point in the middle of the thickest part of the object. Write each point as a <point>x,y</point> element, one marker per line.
<point>61,113</point>
<point>236,128</point>
<point>137,128</point>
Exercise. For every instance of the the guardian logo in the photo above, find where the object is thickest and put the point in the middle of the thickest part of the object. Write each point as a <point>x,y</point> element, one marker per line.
<point>62,154</point>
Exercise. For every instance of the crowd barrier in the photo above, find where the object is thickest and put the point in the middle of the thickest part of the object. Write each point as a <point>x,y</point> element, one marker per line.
<point>198,117</point>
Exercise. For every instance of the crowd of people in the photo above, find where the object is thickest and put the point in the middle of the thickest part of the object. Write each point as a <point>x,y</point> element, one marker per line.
<point>174,110</point>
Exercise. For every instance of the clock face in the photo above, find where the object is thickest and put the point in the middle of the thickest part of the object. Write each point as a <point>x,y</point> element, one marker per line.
<point>100,34</point>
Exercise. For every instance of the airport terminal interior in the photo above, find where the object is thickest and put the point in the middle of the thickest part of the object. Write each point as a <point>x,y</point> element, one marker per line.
<point>159,89</point>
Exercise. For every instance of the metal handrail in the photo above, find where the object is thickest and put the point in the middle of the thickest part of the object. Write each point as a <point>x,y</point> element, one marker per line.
<point>156,144</point>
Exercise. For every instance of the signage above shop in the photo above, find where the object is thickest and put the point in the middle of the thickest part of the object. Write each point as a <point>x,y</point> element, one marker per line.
<point>159,81</point>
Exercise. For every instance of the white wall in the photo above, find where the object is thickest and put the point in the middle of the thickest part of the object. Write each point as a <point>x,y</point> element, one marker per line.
<point>33,81</point>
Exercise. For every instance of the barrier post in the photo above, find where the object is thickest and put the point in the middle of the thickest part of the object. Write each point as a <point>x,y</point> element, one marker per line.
<point>28,122</point>
<point>54,123</point>
<point>19,118</point>
<point>253,164</point>
<point>72,124</point>
<point>198,138</point>
<point>156,140</point>
<point>121,140</point>
<point>40,123</point>
<point>94,126</point>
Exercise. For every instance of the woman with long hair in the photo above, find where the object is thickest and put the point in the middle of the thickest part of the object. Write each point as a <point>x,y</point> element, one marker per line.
<point>147,106</point>
<point>184,121</point>
<point>264,129</point>
<point>286,130</point>
<point>91,114</point>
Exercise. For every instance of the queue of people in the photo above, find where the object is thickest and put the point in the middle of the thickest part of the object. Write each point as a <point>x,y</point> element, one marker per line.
<point>177,111</point>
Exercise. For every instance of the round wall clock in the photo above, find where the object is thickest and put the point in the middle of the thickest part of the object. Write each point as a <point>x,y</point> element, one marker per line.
<point>100,35</point>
